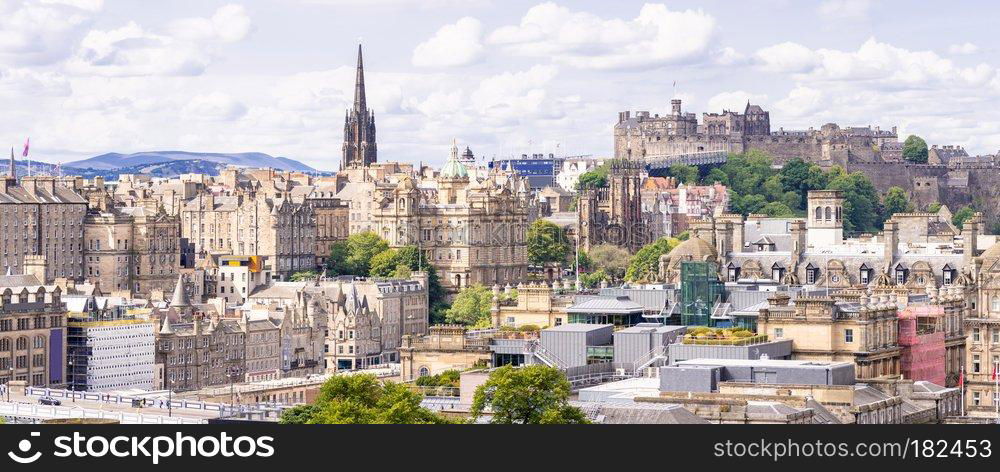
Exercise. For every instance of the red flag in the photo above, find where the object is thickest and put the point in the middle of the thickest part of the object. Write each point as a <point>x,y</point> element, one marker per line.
<point>961,378</point>
<point>994,377</point>
<point>26,143</point>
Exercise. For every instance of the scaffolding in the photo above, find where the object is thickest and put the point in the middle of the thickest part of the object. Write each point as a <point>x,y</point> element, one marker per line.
<point>701,292</point>
<point>921,339</point>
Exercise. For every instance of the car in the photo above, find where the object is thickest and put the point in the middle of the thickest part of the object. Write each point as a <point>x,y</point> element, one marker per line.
<point>49,401</point>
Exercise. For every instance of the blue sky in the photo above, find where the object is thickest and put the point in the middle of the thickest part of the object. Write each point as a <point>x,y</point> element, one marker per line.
<point>83,77</point>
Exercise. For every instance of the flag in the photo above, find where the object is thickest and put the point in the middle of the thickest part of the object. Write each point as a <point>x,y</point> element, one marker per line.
<point>994,377</point>
<point>26,144</point>
<point>961,378</point>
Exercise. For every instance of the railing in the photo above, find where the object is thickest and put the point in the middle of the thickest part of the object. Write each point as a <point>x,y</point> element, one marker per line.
<point>545,356</point>
<point>760,338</point>
<point>31,410</point>
<point>657,353</point>
<point>222,409</point>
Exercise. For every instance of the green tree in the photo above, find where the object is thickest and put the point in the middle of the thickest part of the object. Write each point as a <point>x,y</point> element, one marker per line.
<point>896,201</point>
<point>962,215</point>
<point>613,260</point>
<point>684,173</point>
<point>303,275</point>
<point>526,395</point>
<point>546,243</point>
<point>777,210</point>
<point>337,263</point>
<point>471,307</point>
<point>593,179</point>
<point>646,262</point>
<point>363,399</point>
<point>594,279</point>
<point>915,149</point>
<point>934,207</point>
<point>860,200</point>
<point>353,257</point>
<point>716,175</point>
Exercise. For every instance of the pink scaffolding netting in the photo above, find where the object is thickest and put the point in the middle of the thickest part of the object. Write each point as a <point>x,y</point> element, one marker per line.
<point>921,339</point>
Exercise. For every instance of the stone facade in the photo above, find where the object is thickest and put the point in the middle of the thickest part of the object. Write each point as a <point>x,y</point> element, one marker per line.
<point>445,348</point>
<point>131,249</point>
<point>40,217</point>
<point>32,332</point>
<point>359,147</point>
<point>471,231</point>
<point>614,214</point>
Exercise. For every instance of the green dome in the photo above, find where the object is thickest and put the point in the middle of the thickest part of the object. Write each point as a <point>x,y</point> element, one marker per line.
<point>454,169</point>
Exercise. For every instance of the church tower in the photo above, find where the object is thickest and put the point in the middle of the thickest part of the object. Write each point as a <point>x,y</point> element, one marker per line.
<point>359,127</point>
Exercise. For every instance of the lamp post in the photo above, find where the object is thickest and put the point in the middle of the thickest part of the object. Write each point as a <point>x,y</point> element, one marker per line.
<point>232,372</point>
<point>11,377</point>
<point>170,398</point>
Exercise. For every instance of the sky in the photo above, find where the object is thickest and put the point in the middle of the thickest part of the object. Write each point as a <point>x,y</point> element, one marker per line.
<point>504,77</point>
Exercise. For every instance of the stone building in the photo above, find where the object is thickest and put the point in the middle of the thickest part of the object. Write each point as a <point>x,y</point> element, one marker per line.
<point>332,217</point>
<point>263,349</point>
<point>39,217</point>
<point>865,333</point>
<point>471,231</point>
<point>445,348</point>
<point>254,219</point>
<point>983,342</point>
<point>360,149</point>
<point>536,304</point>
<point>131,249</point>
<point>32,331</point>
<point>613,214</point>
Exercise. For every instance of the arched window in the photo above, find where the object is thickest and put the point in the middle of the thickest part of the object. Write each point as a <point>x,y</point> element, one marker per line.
<point>829,214</point>
<point>4,344</point>
<point>424,372</point>
<point>819,213</point>
<point>22,344</point>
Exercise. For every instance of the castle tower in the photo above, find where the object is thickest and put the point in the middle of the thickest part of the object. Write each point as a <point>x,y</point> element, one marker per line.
<point>826,218</point>
<point>360,149</point>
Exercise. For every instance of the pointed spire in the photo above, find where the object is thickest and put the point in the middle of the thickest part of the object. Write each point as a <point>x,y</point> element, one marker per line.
<point>180,298</point>
<point>359,85</point>
<point>165,328</point>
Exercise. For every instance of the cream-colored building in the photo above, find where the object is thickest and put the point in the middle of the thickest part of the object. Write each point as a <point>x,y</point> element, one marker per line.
<point>32,331</point>
<point>536,304</point>
<point>446,347</point>
<point>821,329</point>
<point>132,249</point>
<point>982,331</point>
<point>471,231</point>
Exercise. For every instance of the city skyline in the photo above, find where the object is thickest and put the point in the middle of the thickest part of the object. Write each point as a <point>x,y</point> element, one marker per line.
<point>85,77</point>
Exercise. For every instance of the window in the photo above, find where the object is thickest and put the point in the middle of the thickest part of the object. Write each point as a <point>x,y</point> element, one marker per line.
<point>976,398</point>
<point>424,372</point>
<point>811,275</point>
<point>995,335</point>
<point>863,276</point>
<point>848,335</point>
<point>976,336</point>
<point>779,332</point>
<point>976,368</point>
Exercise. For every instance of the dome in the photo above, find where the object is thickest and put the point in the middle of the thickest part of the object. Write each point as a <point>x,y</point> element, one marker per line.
<point>454,170</point>
<point>694,249</point>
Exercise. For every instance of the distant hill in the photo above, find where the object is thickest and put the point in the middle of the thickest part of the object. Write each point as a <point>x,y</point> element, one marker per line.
<point>117,162</point>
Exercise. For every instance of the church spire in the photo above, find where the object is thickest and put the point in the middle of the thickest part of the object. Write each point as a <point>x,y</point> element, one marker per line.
<point>359,86</point>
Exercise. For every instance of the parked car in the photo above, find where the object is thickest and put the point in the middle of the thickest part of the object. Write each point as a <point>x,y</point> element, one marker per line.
<point>49,401</point>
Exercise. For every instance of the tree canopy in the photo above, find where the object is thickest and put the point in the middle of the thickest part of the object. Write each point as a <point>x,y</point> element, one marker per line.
<point>915,149</point>
<point>546,243</point>
<point>362,399</point>
<point>471,307</point>
<point>646,262</point>
<point>962,215</point>
<point>304,275</point>
<point>354,256</point>
<point>526,395</point>
<point>593,179</point>
<point>896,201</point>
<point>611,259</point>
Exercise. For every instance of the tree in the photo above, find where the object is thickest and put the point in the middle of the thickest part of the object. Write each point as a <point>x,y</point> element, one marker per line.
<point>611,259</point>
<point>546,243</point>
<point>962,215</point>
<point>915,149</point>
<point>304,275</point>
<point>353,257</point>
<point>860,200</point>
<point>471,306</point>
<point>934,207</point>
<point>896,201</point>
<point>362,399</point>
<point>594,279</point>
<point>593,179</point>
<point>684,173</point>
<point>777,210</point>
<point>384,264</point>
<point>526,395</point>
<point>716,175</point>
<point>646,262</point>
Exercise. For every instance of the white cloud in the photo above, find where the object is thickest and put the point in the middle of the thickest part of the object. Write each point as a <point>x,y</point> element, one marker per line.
<point>456,44</point>
<point>512,95</point>
<point>734,101</point>
<point>879,64</point>
<point>801,101</point>
<point>88,5</point>
<point>845,9</point>
<point>656,37</point>
<point>963,49</point>
<point>39,34</point>
<point>216,106</point>
<point>133,51</point>
<point>787,57</point>
<point>230,23</point>
<point>25,82</point>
